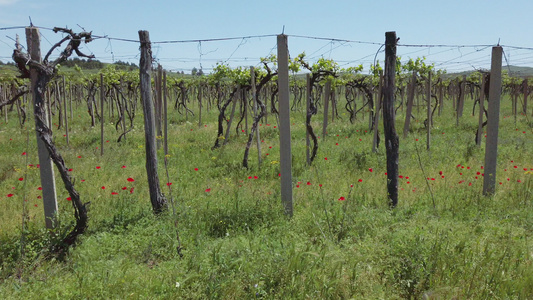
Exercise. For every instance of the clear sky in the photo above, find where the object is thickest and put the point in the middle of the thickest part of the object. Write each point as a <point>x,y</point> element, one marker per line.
<point>416,22</point>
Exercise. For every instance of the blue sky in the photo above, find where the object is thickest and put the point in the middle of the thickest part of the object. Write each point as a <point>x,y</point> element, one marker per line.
<point>451,22</point>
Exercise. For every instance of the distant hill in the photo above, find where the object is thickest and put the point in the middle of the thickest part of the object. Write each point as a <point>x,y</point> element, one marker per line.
<point>514,71</point>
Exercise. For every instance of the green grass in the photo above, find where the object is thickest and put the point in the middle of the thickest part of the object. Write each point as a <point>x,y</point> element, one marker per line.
<point>237,244</point>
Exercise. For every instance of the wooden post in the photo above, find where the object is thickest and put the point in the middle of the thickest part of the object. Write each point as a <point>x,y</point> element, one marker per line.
<point>158,104</point>
<point>46,170</point>
<point>165,120</point>
<point>460,105</point>
<point>441,96</point>
<point>326,108</point>
<point>376,115</point>
<point>333,106</point>
<point>245,103</point>
<point>102,96</point>
<point>429,121</point>
<point>391,138</point>
<point>145,65</point>
<point>307,107</point>
<point>481,111</point>
<point>493,121</point>
<point>526,94</point>
<point>65,114</point>
<point>410,98</point>
<point>254,96</point>
<point>200,105</point>
<point>284,125</point>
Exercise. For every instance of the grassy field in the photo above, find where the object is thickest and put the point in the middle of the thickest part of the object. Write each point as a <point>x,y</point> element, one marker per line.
<point>444,239</point>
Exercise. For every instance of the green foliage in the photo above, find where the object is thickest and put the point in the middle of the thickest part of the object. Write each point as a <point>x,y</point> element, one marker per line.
<point>343,241</point>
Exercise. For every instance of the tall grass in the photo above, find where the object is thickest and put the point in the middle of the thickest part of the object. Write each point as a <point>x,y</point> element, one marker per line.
<point>343,241</point>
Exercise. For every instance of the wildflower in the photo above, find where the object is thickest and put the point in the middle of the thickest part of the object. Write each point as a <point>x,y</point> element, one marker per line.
<point>208,190</point>
<point>342,199</point>
<point>131,179</point>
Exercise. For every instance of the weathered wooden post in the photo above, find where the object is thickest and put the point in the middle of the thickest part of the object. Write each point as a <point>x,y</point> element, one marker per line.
<point>65,115</point>
<point>46,170</point>
<point>410,99</point>
<point>493,121</point>
<point>165,115</point>
<point>376,115</point>
<point>526,94</point>
<point>200,105</point>
<point>102,96</point>
<point>326,108</point>
<point>441,96</point>
<point>145,65</point>
<point>307,107</point>
<point>481,111</point>
<point>391,138</point>
<point>429,121</point>
<point>461,103</point>
<point>284,125</point>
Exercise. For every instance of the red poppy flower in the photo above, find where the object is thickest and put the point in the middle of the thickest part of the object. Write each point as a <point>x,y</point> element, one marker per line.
<point>320,184</point>
<point>131,179</point>
<point>342,199</point>
<point>124,188</point>
<point>131,190</point>
<point>308,183</point>
<point>10,195</point>
<point>69,198</point>
<point>249,177</point>
<point>83,180</point>
<point>360,180</point>
<point>123,167</point>
<point>39,197</point>
<point>23,153</point>
<point>196,169</point>
<point>79,156</point>
<point>70,170</point>
<point>255,177</point>
<point>98,167</point>
<point>207,190</point>
<point>370,169</point>
<point>114,193</point>
<point>325,158</point>
<point>386,173</point>
<point>408,182</point>
<point>169,183</point>
<point>21,178</point>
<point>297,185</point>
<point>103,187</point>
<point>35,205</point>
<point>440,172</point>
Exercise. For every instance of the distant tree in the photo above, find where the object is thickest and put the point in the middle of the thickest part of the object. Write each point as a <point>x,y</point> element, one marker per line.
<point>194,71</point>
<point>200,73</point>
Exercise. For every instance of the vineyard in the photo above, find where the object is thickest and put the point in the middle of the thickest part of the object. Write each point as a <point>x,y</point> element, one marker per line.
<point>201,212</point>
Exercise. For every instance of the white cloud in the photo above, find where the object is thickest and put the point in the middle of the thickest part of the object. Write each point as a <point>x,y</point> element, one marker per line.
<point>7,2</point>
